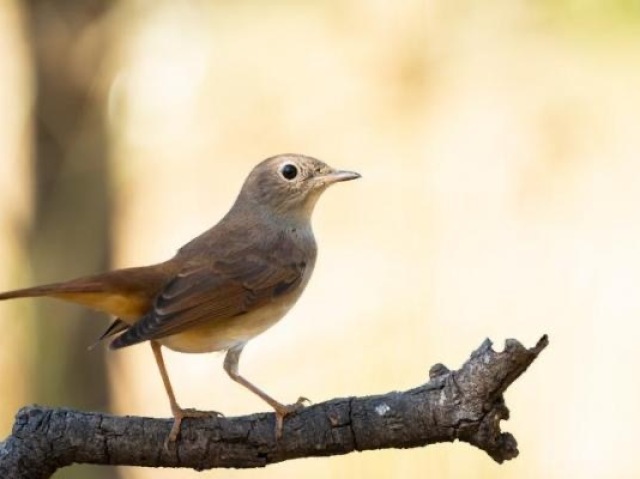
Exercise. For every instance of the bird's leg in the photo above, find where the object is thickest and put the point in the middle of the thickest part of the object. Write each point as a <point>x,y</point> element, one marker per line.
<point>178,413</point>
<point>231,367</point>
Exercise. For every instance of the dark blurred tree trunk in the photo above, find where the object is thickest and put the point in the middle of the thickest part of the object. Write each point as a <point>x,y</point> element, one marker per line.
<point>71,230</point>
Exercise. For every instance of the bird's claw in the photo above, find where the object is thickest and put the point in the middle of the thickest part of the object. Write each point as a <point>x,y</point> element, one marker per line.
<point>180,414</point>
<point>284,410</point>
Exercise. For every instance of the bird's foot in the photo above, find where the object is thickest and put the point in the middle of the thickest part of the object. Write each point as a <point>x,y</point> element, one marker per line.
<point>283,410</point>
<point>179,414</point>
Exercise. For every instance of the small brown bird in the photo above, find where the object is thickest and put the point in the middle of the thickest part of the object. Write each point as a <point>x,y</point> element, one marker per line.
<point>224,287</point>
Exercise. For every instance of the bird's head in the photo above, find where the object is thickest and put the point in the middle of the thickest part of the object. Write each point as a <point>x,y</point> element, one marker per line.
<point>289,185</point>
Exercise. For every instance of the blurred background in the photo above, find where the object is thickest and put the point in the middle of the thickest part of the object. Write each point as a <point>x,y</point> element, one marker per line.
<point>498,143</point>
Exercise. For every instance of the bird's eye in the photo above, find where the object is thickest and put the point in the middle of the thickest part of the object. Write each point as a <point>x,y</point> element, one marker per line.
<point>289,171</point>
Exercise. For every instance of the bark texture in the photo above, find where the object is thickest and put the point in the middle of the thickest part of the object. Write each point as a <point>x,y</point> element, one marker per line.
<point>465,405</point>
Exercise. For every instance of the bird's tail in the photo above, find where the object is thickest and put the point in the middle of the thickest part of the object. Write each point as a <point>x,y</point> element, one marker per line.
<point>43,290</point>
<point>126,294</point>
<point>93,292</point>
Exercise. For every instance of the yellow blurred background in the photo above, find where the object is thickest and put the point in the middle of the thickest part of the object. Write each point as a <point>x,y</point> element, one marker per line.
<point>498,143</point>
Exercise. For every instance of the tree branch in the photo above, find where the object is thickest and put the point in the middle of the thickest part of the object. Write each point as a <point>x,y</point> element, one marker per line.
<point>466,405</point>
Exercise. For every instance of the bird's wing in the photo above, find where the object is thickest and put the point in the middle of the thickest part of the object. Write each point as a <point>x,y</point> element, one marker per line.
<point>218,290</point>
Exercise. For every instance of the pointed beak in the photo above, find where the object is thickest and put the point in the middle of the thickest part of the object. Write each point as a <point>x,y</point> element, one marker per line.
<point>341,175</point>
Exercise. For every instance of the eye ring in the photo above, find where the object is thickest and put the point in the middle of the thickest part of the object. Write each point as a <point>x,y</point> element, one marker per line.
<point>289,171</point>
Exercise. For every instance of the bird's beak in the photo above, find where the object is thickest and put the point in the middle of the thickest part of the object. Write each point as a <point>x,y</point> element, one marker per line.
<point>341,175</point>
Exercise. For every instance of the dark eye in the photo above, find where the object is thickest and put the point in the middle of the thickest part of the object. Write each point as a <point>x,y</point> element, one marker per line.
<point>289,171</point>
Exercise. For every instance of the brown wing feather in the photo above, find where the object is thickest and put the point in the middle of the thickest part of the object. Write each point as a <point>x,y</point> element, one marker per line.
<point>221,289</point>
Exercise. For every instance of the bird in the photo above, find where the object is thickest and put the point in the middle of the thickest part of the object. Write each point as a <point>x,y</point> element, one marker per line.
<point>222,288</point>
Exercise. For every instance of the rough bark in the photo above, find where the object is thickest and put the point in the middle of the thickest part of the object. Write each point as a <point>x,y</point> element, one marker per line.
<point>465,405</point>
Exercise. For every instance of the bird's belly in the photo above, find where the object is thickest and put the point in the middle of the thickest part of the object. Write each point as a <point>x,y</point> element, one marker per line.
<point>222,334</point>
